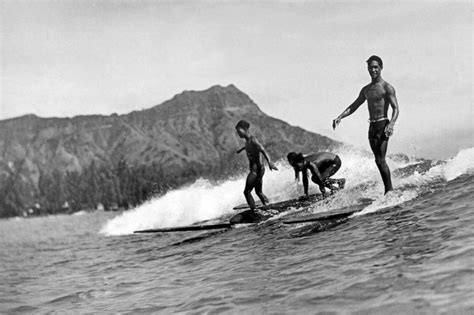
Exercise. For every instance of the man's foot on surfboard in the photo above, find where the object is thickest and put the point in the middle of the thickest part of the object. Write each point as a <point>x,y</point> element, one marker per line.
<point>335,184</point>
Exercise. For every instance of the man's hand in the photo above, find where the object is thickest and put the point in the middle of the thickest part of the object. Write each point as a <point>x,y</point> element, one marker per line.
<point>272,167</point>
<point>336,122</point>
<point>239,150</point>
<point>389,130</point>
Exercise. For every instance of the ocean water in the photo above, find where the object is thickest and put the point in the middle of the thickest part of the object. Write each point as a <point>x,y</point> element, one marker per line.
<point>411,251</point>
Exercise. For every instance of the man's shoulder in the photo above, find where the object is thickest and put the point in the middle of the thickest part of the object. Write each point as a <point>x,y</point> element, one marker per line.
<point>253,139</point>
<point>388,87</point>
<point>365,87</point>
<point>313,156</point>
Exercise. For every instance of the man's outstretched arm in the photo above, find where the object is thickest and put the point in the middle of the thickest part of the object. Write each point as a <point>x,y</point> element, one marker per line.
<point>305,181</point>
<point>265,154</point>
<point>349,110</point>
<point>297,175</point>
<point>392,98</point>
<point>316,177</point>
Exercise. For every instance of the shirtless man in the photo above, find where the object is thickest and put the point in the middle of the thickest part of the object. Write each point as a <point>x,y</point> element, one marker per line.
<point>379,95</point>
<point>257,169</point>
<point>322,166</point>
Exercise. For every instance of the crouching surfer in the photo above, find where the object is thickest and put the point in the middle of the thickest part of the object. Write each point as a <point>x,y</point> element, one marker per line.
<point>322,166</point>
<point>253,148</point>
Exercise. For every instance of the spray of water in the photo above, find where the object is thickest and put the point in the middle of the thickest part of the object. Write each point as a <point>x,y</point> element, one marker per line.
<point>198,202</point>
<point>204,200</point>
<point>410,187</point>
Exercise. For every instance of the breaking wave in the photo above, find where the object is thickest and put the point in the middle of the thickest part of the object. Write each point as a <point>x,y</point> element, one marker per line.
<point>204,200</point>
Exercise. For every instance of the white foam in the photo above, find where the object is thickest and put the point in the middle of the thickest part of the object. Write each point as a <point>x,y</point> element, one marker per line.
<point>412,186</point>
<point>204,200</point>
<point>82,212</point>
<point>462,163</point>
<point>197,202</point>
<point>391,199</point>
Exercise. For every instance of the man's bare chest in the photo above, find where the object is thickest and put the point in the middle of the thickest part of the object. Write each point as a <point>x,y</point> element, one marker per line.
<point>375,92</point>
<point>252,150</point>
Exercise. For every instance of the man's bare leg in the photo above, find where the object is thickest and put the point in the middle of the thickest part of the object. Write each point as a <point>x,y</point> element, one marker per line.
<point>249,185</point>
<point>379,148</point>
<point>258,190</point>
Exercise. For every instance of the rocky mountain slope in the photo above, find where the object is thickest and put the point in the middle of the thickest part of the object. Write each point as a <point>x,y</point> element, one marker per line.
<point>188,136</point>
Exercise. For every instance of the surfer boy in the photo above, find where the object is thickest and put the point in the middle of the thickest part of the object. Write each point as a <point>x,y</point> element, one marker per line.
<point>322,166</point>
<point>379,95</point>
<point>257,169</point>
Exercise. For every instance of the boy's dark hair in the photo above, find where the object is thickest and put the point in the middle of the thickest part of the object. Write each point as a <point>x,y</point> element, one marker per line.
<point>294,157</point>
<point>375,58</point>
<point>243,124</point>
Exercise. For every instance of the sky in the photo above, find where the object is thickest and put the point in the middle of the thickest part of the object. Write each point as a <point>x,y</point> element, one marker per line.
<point>300,61</point>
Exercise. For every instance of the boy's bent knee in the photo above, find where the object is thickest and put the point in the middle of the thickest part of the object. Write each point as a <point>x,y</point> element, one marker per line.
<point>380,161</point>
<point>247,191</point>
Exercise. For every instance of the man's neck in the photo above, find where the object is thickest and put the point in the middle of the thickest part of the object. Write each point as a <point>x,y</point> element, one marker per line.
<point>377,80</point>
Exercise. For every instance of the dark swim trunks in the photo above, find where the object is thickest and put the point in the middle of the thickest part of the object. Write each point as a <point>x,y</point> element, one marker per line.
<point>336,164</point>
<point>377,130</point>
<point>328,168</point>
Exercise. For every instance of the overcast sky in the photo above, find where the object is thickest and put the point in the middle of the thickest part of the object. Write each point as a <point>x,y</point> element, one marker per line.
<point>303,61</point>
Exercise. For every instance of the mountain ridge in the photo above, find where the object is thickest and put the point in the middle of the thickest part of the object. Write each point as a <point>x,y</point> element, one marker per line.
<point>190,135</point>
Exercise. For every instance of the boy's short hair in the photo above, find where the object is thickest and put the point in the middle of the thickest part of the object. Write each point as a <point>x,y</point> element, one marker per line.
<point>294,157</point>
<point>375,58</point>
<point>243,124</point>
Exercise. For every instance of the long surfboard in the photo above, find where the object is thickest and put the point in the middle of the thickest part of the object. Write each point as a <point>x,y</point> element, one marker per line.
<point>296,202</point>
<point>285,204</point>
<point>243,217</point>
<point>332,214</point>
<point>188,228</point>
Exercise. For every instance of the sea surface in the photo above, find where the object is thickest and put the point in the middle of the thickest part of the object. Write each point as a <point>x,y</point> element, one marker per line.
<point>411,251</point>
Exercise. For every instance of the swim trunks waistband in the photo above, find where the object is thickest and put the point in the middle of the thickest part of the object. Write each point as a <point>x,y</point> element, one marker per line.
<point>376,120</point>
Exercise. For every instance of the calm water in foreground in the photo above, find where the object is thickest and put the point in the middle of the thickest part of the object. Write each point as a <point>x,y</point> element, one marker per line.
<point>413,257</point>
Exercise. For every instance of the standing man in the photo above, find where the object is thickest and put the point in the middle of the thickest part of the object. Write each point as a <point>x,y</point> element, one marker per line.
<point>253,148</point>
<point>379,95</point>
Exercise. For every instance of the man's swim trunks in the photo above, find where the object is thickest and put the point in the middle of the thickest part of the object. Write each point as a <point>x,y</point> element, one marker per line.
<point>335,163</point>
<point>329,168</point>
<point>377,130</point>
